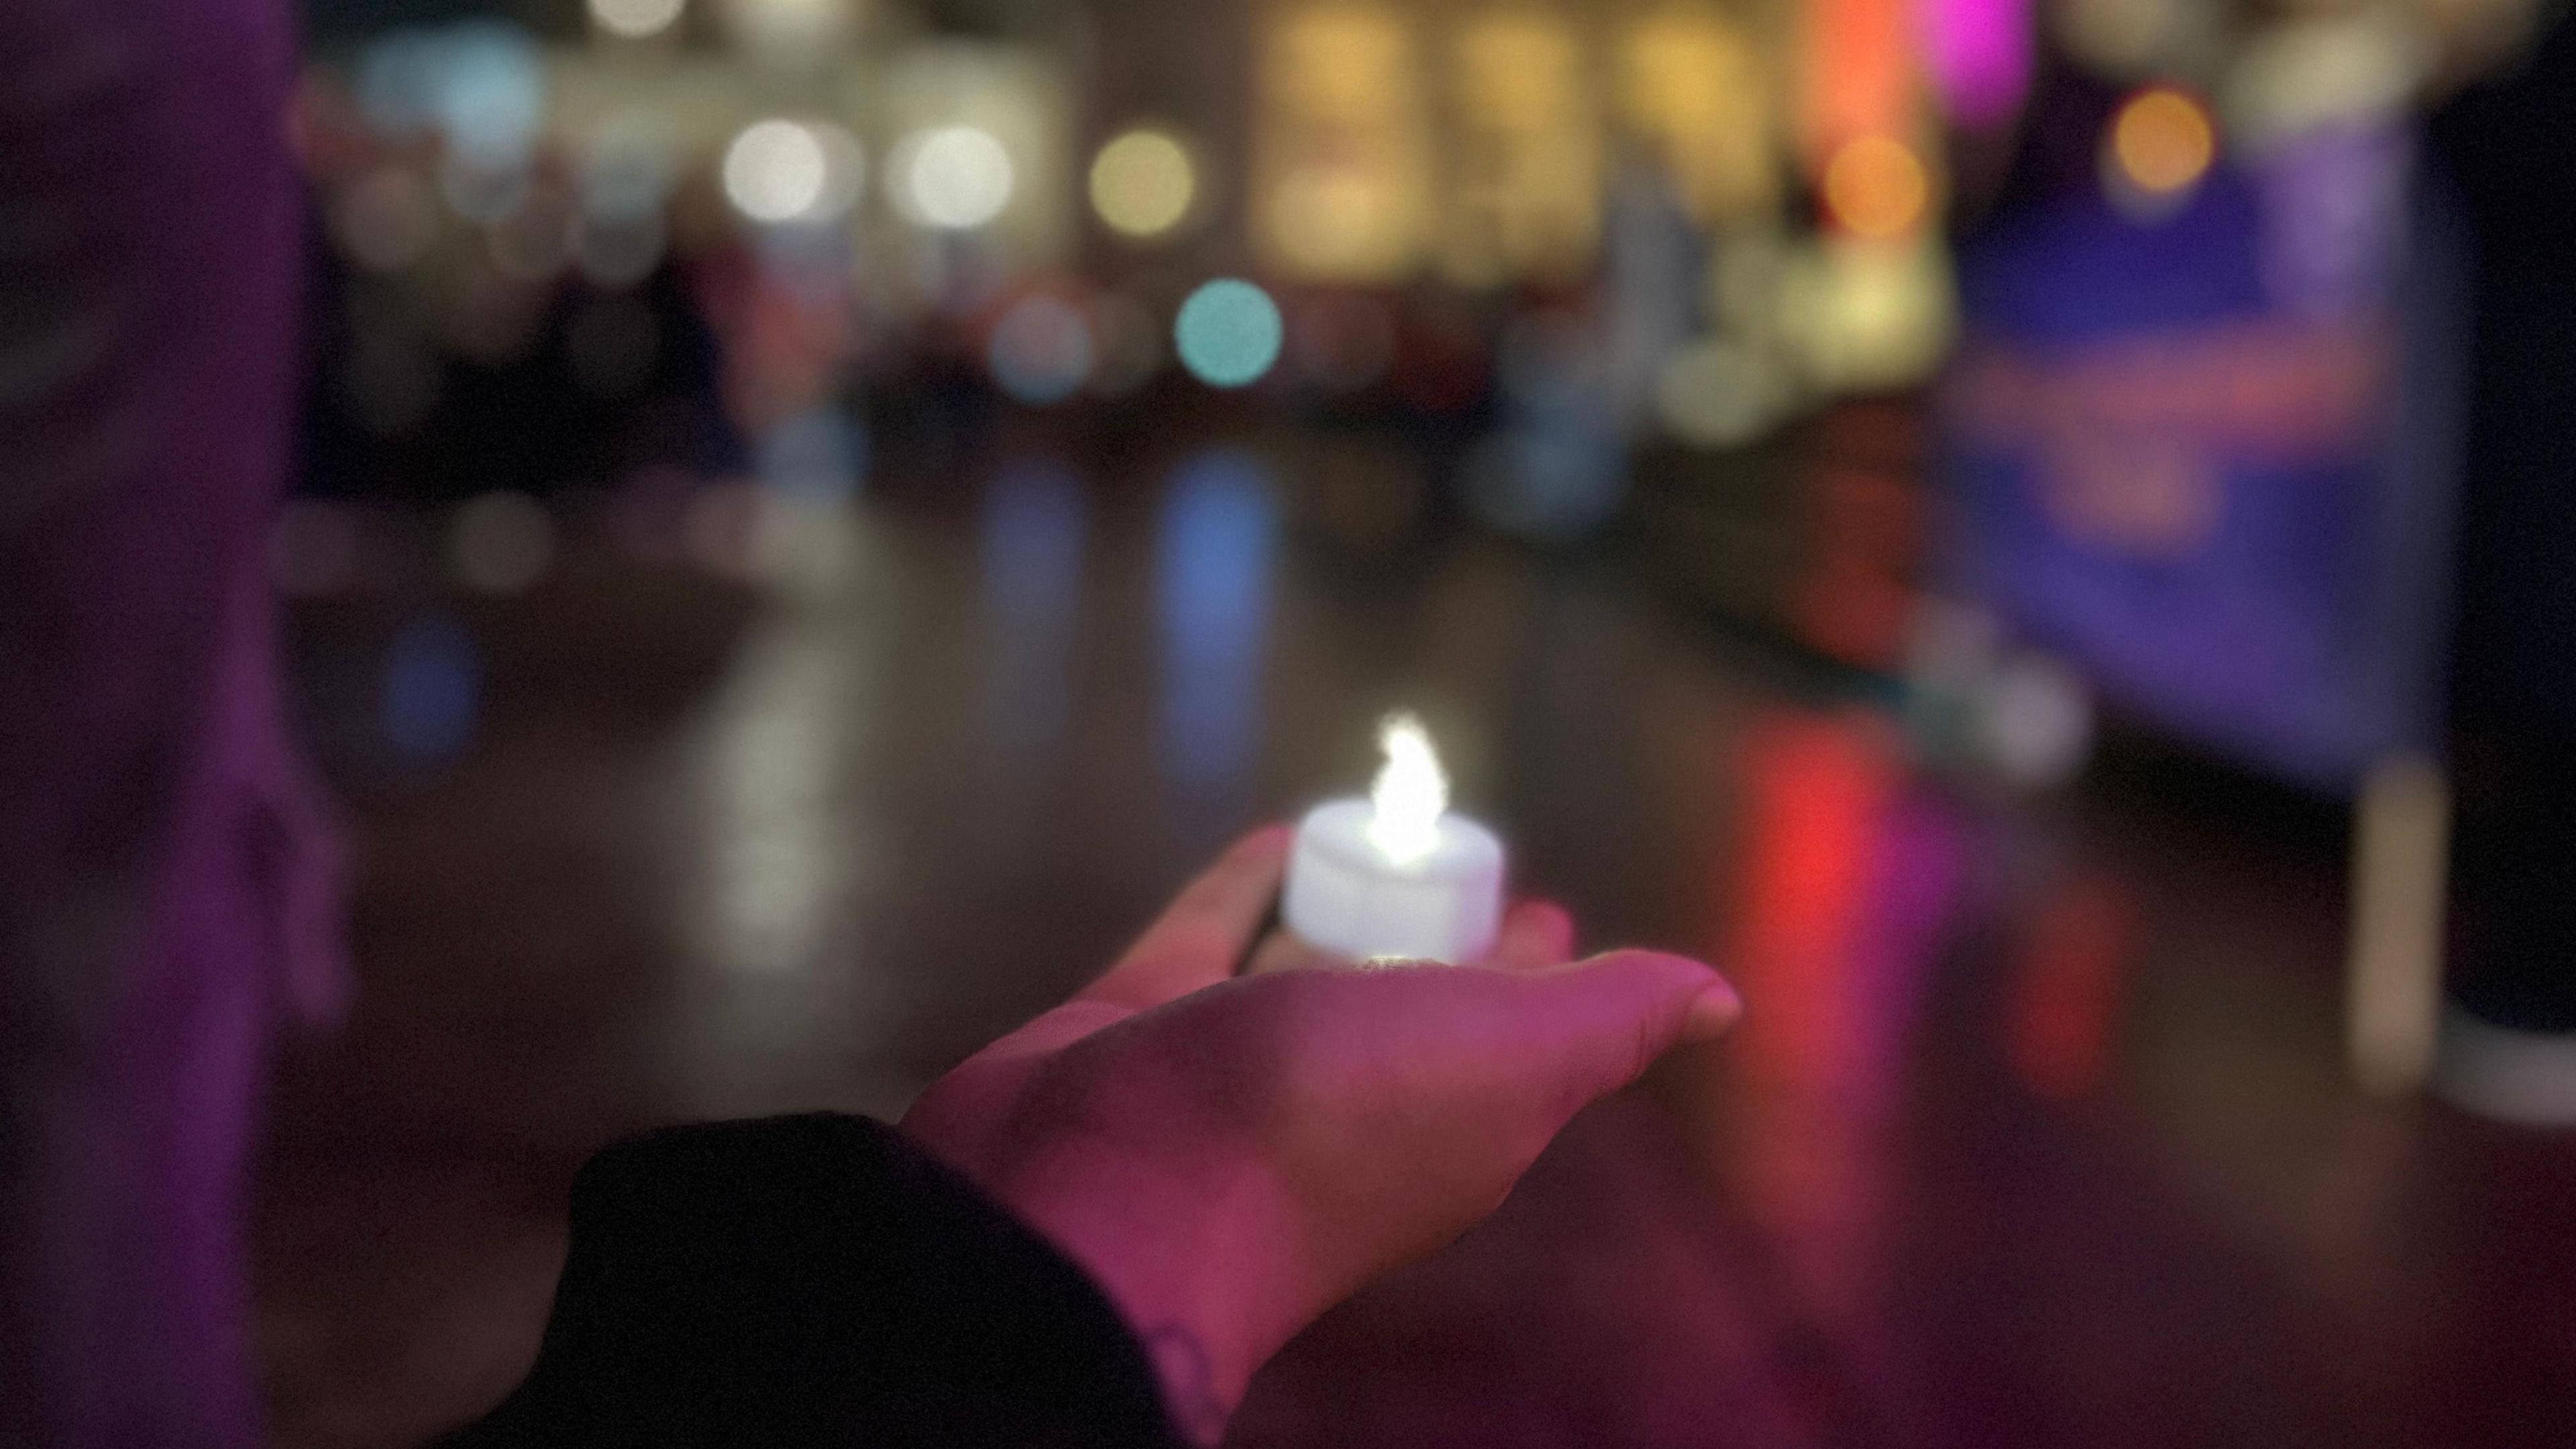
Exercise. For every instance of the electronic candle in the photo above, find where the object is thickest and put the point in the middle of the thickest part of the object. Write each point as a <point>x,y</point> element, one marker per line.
<point>1396,874</point>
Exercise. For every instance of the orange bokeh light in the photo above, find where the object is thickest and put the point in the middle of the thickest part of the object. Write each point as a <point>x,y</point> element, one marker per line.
<point>2162,141</point>
<point>1876,187</point>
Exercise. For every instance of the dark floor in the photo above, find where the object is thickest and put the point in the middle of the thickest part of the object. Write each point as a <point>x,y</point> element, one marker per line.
<point>2035,1133</point>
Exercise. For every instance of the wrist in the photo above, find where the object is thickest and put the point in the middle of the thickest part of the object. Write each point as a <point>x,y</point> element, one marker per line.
<point>1198,1262</point>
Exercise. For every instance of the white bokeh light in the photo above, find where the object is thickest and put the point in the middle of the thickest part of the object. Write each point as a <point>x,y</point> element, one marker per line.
<point>951,177</point>
<point>776,171</point>
<point>635,19</point>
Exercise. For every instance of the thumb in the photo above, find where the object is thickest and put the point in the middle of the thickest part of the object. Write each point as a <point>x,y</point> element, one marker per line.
<point>1604,1020</point>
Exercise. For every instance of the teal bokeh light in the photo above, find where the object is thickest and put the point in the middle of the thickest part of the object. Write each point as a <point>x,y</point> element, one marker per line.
<point>1227,333</point>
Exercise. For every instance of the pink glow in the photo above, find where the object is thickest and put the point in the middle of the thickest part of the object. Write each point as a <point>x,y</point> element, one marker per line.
<point>1979,55</point>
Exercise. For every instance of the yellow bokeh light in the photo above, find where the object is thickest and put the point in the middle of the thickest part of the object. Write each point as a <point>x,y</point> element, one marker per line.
<point>2161,141</point>
<point>1142,183</point>
<point>1524,199</point>
<point>1323,219</point>
<point>1694,87</point>
<point>1876,188</point>
<point>1341,183</point>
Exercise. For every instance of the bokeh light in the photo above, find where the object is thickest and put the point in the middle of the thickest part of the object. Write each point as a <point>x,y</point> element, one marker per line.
<point>396,84</point>
<point>501,543</point>
<point>1142,183</point>
<point>844,167</point>
<point>1215,547</point>
<point>1342,175</point>
<point>1715,394</point>
<point>635,19</point>
<point>433,691</point>
<point>479,85</point>
<point>780,171</point>
<point>1228,333</point>
<point>1858,315</point>
<point>1692,85</point>
<point>1326,220</point>
<point>1040,350</point>
<point>2038,719</point>
<point>1876,187</point>
<point>954,178</point>
<point>2357,69</point>
<point>2161,144</point>
<point>774,171</point>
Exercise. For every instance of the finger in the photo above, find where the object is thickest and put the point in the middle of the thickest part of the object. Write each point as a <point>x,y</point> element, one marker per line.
<point>1535,935</point>
<point>1205,930</point>
<point>1601,1022</point>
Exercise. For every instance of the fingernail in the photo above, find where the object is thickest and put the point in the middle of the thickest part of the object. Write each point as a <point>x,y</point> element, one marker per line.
<point>1713,1012</point>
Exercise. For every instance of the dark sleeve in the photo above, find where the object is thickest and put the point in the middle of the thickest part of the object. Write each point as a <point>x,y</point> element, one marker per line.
<point>816,1280</point>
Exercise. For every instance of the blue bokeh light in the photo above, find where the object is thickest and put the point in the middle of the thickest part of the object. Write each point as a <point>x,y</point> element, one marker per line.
<point>433,690</point>
<point>1212,568</point>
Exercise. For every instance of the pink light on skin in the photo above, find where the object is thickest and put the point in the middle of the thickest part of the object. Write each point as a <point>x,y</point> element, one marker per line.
<point>1979,53</point>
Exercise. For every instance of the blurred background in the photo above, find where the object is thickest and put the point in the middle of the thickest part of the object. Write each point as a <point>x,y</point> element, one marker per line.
<point>816,515</point>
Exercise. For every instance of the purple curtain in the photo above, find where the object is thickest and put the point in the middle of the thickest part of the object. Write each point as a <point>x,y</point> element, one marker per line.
<point>163,888</point>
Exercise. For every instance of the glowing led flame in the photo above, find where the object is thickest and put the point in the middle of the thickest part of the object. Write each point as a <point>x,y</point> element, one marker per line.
<point>1410,794</point>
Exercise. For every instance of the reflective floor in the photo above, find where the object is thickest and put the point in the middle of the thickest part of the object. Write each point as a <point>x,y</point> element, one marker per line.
<point>2035,1133</point>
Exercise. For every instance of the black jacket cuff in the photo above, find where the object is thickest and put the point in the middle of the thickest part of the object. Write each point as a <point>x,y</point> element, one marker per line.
<point>817,1280</point>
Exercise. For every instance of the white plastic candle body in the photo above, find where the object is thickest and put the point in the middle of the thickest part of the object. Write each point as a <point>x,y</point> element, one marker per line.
<point>1347,896</point>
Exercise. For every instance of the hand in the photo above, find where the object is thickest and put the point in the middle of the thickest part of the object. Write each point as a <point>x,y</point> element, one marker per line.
<point>1227,1158</point>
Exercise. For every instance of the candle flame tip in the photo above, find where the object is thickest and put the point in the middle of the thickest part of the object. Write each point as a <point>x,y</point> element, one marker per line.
<point>1410,794</point>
